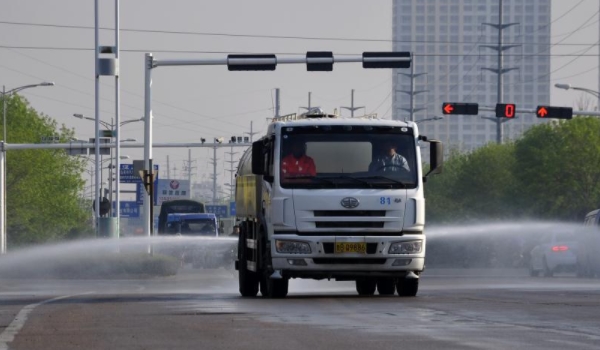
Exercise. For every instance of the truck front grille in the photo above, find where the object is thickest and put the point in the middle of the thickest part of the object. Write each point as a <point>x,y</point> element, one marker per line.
<point>349,261</point>
<point>349,224</point>
<point>346,213</point>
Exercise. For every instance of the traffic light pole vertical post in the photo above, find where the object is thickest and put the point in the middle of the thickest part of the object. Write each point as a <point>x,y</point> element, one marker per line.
<point>500,92</point>
<point>2,198</point>
<point>3,182</point>
<point>97,120</point>
<point>149,65</point>
<point>117,126</point>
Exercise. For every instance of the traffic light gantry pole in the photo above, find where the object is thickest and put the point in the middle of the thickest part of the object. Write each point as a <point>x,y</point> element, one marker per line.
<point>315,61</point>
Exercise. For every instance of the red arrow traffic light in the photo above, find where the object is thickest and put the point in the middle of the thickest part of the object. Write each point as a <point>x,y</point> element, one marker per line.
<point>554,112</point>
<point>542,112</point>
<point>460,108</point>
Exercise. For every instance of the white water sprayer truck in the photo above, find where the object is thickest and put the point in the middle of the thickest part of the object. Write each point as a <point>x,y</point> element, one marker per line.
<point>351,216</point>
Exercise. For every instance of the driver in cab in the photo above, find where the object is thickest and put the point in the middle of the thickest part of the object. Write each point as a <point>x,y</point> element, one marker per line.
<point>388,161</point>
<point>297,163</point>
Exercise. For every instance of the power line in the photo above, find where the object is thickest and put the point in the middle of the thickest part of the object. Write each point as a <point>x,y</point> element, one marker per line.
<point>561,16</point>
<point>259,36</point>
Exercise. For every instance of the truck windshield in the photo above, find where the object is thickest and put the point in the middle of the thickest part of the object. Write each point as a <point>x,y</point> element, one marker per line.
<point>348,157</point>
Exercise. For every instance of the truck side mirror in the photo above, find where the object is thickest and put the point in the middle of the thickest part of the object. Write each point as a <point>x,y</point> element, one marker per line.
<point>258,158</point>
<point>436,157</point>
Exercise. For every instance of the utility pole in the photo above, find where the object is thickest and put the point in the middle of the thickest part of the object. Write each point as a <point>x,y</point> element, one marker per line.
<point>598,107</point>
<point>500,70</point>
<point>352,108</point>
<point>168,169</point>
<point>189,167</point>
<point>231,170</point>
<point>277,104</point>
<point>214,175</point>
<point>412,75</point>
<point>309,103</point>
<point>251,133</point>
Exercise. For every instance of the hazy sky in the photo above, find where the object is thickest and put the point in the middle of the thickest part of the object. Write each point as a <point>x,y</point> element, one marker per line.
<point>194,102</point>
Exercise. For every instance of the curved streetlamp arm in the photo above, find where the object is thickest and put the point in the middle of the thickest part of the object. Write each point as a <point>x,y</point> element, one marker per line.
<point>592,92</point>
<point>17,89</point>
<point>131,121</point>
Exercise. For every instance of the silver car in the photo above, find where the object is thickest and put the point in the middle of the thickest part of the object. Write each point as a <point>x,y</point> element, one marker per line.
<point>556,253</point>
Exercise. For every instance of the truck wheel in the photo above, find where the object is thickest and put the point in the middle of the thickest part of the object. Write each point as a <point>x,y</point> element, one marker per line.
<point>366,286</point>
<point>274,288</point>
<point>248,280</point>
<point>386,286</point>
<point>407,287</point>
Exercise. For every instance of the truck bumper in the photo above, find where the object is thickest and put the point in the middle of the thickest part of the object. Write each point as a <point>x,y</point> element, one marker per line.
<point>323,262</point>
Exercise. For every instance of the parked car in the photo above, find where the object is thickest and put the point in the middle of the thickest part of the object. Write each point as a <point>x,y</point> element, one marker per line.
<point>588,254</point>
<point>556,253</point>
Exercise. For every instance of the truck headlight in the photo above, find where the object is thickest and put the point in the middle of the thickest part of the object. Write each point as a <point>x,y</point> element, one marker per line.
<point>292,247</point>
<point>411,247</point>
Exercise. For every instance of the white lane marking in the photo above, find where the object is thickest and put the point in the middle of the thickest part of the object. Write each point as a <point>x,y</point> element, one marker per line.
<point>8,335</point>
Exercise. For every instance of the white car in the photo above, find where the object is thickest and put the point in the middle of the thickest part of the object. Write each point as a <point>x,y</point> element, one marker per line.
<point>556,253</point>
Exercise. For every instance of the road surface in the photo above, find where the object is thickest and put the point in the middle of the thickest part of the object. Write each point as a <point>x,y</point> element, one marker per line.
<point>201,309</point>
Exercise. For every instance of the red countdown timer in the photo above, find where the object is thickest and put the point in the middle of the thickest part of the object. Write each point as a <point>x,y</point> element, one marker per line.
<point>505,110</point>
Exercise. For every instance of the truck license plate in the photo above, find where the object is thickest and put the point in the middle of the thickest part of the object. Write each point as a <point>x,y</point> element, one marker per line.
<point>350,247</point>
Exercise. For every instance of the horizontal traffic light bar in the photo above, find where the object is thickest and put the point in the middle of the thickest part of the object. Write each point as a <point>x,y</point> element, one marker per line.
<point>460,108</point>
<point>509,110</point>
<point>318,61</point>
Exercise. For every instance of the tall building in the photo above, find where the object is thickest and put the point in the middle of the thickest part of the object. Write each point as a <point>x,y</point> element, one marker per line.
<point>451,44</point>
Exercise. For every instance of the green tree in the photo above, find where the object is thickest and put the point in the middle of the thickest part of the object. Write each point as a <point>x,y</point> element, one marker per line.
<point>475,185</point>
<point>558,168</point>
<point>43,187</point>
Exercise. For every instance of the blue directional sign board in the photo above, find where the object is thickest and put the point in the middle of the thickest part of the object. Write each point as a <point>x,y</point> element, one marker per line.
<point>140,193</point>
<point>231,208</point>
<point>129,209</point>
<point>219,210</point>
<point>128,177</point>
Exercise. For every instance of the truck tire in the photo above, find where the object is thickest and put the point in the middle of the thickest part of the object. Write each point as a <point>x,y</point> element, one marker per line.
<point>366,286</point>
<point>274,288</point>
<point>407,287</point>
<point>248,280</point>
<point>386,286</point>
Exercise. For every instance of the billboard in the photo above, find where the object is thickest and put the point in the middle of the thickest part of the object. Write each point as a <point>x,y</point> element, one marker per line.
<point>172,189</point>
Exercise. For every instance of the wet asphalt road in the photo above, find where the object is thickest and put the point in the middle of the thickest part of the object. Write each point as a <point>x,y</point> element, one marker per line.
<point>201,309</point>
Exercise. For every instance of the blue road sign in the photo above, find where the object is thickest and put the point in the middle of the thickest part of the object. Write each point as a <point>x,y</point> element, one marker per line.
<point>219,210</point>
<point>140,193</point>
<point>128,177</point>
<point>231,208</point>
<point>128,209</point>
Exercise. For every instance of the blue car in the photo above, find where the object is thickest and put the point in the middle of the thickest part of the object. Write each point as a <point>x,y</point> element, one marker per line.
<point>204,224</point>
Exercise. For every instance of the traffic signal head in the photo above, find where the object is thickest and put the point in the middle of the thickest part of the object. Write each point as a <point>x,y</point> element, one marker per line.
<point>460,108</point>
<point>505,110</point>
<point>554,112</point>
